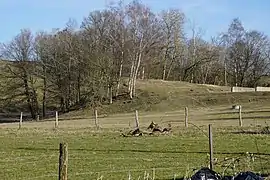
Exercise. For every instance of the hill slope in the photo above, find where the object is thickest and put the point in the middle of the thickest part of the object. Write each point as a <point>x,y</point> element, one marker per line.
<point>161,96</point>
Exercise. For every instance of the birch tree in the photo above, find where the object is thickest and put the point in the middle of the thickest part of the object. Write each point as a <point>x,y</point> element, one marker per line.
<point>144,33</point>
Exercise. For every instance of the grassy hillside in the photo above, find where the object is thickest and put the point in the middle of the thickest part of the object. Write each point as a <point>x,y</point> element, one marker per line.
<point>162,96</point>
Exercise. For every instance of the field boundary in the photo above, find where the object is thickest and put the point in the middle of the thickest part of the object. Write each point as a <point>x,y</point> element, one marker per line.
<point>182,118</point>
<point>246,89</point>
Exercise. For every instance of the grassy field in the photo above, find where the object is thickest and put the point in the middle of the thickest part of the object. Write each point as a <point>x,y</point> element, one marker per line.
<point>32,152</point>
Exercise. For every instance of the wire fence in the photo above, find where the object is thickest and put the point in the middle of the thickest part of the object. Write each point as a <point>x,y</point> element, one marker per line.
<point>232,164</point>
<point>195,118</point>
<point>221,117</point>
<point>143,173</point>
<point>224,165</point>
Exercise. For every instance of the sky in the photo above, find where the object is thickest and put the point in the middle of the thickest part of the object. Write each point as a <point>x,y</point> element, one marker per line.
<point>211,16</point>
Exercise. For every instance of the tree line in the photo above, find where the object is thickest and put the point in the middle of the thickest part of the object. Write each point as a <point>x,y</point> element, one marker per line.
<point>112,48</point>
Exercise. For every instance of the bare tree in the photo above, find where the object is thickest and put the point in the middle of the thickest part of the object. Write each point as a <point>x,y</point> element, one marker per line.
<point>100,26</point>
<point>248,54</point>
<point>41,48</point>
<point>144,34</point>
<point>20,52</point>
<point>118,34</point>
<point>173,33</point>
<point>76,67</point>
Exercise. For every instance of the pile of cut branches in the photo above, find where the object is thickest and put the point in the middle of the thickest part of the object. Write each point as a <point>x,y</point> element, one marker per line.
<point>153,128</point>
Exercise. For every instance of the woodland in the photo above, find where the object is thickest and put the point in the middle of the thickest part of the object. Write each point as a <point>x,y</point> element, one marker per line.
<point>94,61</point>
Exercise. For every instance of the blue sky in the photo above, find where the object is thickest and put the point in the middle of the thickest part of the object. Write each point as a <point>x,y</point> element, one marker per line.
<point>212,16</point>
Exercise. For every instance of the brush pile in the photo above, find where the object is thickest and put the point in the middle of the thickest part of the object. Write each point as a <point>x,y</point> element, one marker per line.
<point>152,129</point>
<point>265,130</point>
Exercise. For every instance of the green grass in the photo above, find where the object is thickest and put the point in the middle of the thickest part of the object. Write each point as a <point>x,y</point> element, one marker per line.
<point>33,153</point>
<point>163,96</point>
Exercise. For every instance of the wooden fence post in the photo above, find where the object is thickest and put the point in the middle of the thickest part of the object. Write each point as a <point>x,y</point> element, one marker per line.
<point>154,174</point>
<point>21,119</point>
<point>240,116</point>
<point>63,161</point>
<point>211,146</point>
<point>56,119</point>
<point>186,116</point>
<point>96,119</point>
<point>136,119</point>
<point>129,175</point>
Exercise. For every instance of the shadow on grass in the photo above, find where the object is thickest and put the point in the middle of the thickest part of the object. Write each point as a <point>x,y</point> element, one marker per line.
<point>16,120</point>
<point>236,112</point>
<point>253,133</point>
<point>2,121</point>
<point>236,118</point>
<point>15,117</point>
<point>264,130</point>
<point>137,151</point>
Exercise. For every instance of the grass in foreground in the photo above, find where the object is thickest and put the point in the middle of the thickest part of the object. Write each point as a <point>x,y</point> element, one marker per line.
<point>33,153</point>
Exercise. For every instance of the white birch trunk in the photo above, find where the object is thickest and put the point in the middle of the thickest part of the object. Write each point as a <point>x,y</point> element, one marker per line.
<point>136,74</point>
<point>119,78</point>
<point>131,80</point>
<point>111,94</point>
<point>143,73</point>
<point>131,76</point>
<point>137,68</point>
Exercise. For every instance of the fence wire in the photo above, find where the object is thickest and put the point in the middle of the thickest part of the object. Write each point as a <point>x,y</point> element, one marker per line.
<point>176,118</point>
